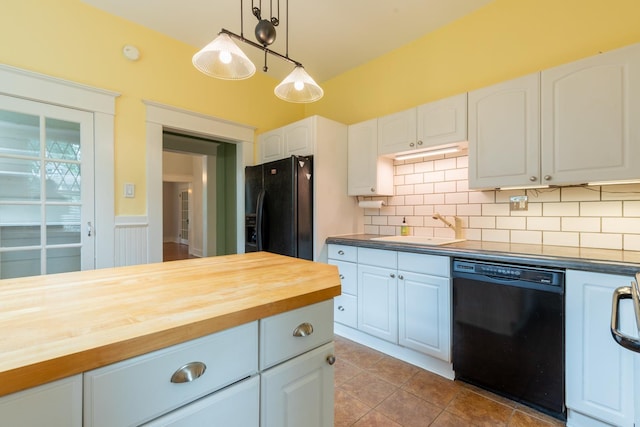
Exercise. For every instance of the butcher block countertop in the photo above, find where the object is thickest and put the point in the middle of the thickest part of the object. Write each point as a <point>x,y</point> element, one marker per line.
<point>58,325</point>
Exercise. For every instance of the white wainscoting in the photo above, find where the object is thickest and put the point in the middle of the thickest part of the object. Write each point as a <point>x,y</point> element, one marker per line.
<point>131,240</point>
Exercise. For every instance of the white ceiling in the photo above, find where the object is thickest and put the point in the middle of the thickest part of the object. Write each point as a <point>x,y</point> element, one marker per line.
<point>328,37</point>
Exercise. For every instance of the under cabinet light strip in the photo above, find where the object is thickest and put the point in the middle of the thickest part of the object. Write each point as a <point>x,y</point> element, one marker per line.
<point>428,153</point>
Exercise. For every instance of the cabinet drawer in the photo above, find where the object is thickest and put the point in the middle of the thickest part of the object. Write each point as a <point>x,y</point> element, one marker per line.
<point>277,340</point>
<point>346,310</point>
<point>343,253</point>
<point>433,265</point>
<point>348,276</point>
<point>235,406</point>
<point>140,389</point>
<point>377,257</point>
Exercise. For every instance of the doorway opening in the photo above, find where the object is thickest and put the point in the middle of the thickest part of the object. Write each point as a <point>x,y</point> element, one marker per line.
<point>199,197</point>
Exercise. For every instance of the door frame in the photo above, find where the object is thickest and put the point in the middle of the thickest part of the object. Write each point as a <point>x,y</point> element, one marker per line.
<point>101,103</point>
<point>165,117</point>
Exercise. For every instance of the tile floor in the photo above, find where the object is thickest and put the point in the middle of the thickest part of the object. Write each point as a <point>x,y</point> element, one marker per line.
<point>373,389</point>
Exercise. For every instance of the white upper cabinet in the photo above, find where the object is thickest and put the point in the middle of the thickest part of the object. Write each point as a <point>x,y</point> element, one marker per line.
<point>590,119</point>
<point>443,122</point>
<point>433,124</point>
<point>296,138</point>
<point>572,124</point>
<point>368,174</point>
<point>504,134</point>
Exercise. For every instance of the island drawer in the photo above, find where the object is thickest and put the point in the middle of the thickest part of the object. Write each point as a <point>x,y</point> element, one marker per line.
<point>294,332</point>
<point>142,388</point>
<point>343,253</point>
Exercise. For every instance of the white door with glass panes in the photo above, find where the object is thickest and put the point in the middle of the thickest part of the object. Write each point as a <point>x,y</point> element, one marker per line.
<point>46,189</point>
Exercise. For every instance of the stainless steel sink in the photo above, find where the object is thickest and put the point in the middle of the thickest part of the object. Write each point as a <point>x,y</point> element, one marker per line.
<point>419,240</point>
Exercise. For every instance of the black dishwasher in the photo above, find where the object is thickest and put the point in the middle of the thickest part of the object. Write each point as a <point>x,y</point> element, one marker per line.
<point>508,331</point>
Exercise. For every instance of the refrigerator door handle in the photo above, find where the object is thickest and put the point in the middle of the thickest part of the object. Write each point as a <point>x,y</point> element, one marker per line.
<point>630,343</point>
<point>260,220</point>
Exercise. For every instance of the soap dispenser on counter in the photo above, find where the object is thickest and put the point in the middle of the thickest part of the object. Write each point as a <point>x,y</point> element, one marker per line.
<point>404,228</point>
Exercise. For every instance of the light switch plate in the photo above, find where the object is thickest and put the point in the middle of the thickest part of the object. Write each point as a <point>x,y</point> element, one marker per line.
<point>518,203</point>
<point>129,190</point>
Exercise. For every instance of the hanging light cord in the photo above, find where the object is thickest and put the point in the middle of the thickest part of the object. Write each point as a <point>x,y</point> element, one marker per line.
<point>259,46</point>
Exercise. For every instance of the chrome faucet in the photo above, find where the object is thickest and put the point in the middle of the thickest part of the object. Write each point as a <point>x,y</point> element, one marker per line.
<point>457,228</point>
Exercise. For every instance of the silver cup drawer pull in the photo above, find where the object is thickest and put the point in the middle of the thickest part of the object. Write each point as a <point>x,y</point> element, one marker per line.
<point>189,372</point>
<point>303,329</point>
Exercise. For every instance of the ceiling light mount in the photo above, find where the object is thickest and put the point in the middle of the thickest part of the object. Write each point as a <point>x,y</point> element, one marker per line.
<point>223,59</point>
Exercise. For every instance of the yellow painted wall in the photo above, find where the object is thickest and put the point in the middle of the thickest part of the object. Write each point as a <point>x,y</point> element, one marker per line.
<point>503,40</point>
<point>74,41</point>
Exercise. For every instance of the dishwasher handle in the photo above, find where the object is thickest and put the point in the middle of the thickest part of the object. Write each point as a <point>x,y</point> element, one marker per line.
<point>626,341</point>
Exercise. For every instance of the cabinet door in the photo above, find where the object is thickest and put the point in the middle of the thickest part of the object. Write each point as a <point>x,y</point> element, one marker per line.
<point>56,404</point>
<point>397,132</point>
<point>368,174</point>
<point>599,372</point>
<point>590,126</point>
<point>443,122</point>
<point>299,392</point>
<point>504,134</point>
<point>298,138</point>
<point>235,406</point>
<point>378,302</point>
<point>348,276</point>
<point>271,145</point>
<point>424,312</point>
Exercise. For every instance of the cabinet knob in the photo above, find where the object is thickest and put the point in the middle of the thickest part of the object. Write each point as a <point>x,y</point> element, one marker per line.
<point>419,142</point>
<point>533,178</point>
<point>547,177</point>
<point>393,276</point>
<point>331,359</point>
<point>411,144</point>
<point>341,277</point>
<point>340,308</point>
<point>373,190</point>
<point>401,277</point>
<point>303,329</point>
<point>340,252</point>
<point>189,372</point>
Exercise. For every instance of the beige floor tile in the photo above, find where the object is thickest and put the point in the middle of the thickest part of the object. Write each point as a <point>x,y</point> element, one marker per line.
<point>447,419</point>
<point>347,409</point>
<point>369,388</point>
<point>522,419</point>
<point>344,371</point>
<point>393,370</point>
<point>432,388</point>
<point>408,410</point>
<point>480,410</point>
<point>375,419</point>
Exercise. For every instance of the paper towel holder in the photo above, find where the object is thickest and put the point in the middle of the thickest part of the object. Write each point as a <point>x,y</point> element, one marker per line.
<point>371,204</point>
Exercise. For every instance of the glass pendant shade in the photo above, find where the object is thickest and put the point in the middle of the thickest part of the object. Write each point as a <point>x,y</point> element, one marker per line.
<point>223,59</point>
<point>299,87</point>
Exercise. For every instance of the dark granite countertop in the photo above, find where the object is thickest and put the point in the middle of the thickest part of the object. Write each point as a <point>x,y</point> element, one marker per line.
<point>596,260</point>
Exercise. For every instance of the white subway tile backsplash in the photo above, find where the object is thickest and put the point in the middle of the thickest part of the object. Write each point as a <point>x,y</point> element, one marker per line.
<point>497,209</point>
<point>601,240</point>
<point>482,222</point>
<point>529,237</point>
<point>445,164</point>
<point>511,223</point>
<point>592,217</point>
<point>601,208</point>
<point>621,225</point>
<point>580,194</point>
<point>433,176</point>
<point>444,187</point>
<point>585,225</point>
<point>560,238</point>
<point>496,235</point>
<point>482,197</point>
<point>561,209</point>
<point>456,198</point>
<point>631,208</point>
<point>424,188</point>
<point>543,224</point>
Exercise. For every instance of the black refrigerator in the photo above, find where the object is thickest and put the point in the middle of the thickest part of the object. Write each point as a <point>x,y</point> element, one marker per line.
<point>279,207</point>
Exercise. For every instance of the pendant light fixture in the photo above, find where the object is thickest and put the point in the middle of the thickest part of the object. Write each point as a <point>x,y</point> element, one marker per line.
<point>223,59</point>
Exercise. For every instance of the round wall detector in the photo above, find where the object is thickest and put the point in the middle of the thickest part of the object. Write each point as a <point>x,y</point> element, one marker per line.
<point>131,52</point>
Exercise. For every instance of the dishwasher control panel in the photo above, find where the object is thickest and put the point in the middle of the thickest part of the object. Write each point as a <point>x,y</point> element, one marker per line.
<point>510,271</point>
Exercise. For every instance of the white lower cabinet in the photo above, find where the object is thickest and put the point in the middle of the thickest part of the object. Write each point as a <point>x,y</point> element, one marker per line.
<point>235,406</point>
<point>378,293</point>
<point>55,404</point>
<point>599,373</point>
<point>299,392</point>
